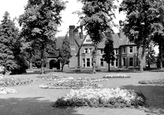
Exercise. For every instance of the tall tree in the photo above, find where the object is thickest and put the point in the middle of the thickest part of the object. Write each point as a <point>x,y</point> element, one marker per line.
<point>108,55</point>
<point>158,28</point>
<point>8,38</point>
<point>138,24</point>
<point>39,23</point>
<point>97,19</point>
<point>65,53</point>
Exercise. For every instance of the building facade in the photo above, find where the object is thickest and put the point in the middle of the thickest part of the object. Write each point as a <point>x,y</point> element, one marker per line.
<point>82,47</point>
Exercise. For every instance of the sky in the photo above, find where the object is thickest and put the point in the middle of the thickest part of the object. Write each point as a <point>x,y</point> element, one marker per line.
<point>16,8</point>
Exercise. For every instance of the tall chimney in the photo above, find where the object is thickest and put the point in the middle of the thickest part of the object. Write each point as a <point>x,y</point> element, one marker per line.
<point>71,34</point>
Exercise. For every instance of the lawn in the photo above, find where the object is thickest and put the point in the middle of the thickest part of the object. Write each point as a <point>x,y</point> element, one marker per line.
<point>32,100</point>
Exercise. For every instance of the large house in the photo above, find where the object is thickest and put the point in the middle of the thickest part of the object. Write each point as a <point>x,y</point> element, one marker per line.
<point>82,47</point>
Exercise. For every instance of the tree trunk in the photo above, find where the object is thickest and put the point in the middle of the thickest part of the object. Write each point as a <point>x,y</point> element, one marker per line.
<point>31,63</point>
<point>108,67</point>
<point>141,58</point>
<point>62,67</point>
<point>42,61</point>
<point>148,63</point>
<point>94,59</point>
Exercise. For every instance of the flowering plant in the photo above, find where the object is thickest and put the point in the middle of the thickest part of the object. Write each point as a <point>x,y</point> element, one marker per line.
<point>4,90</point>
<point>101,98</point>
<point>51,77</point>
<point>116,76</point>
<point>11,81</point>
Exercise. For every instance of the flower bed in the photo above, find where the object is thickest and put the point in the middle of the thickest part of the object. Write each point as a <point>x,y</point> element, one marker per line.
<point>116,76</point>
<point>157,81</point>
<point>101,98</point>
<point>4,90</point>
<point>52,77</point>
<point>11,81</point>
<point>70,84</point>
<point>92,79</point>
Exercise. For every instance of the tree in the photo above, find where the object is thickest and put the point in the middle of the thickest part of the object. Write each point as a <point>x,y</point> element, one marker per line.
<point>65,53</point>
<point>138,26</point>
<point>150,56</point>
<point>108,55</point>
<point>97,20</point>
<point>8,37</point>
<point>158,28</point>
<point>39,23</point>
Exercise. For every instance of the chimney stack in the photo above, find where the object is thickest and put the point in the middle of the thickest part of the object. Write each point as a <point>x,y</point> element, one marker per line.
<point>71,34</point>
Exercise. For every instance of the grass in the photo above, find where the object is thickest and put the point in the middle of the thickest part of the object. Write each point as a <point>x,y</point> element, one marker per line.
<point>31,100</point>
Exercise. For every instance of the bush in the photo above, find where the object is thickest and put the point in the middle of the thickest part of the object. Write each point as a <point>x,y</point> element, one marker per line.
<point>158,81</point>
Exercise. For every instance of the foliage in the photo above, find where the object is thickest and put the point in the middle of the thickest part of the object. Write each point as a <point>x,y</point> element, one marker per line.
<point>65,52</point>
<point>97,20</point>
<point>142,16</point>
<point>10,46</point>
<point>155,81</point>
<point>5,90</point>
<point>111,98</point>
<point>150,56</point>
<point>108,55</point>
<point>39,23</point>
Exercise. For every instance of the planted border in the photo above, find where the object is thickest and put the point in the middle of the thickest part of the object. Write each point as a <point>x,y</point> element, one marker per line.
<point>11,81</point>
<point>157,81</point>
<point>111,98</point>
<point>116,76</point>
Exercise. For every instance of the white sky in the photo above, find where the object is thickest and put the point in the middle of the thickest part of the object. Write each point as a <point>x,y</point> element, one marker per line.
<point>16,8</point>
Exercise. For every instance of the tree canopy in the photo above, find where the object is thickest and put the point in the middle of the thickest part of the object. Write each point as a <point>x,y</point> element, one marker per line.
<point>98,15</point>
<point>141,22</point>
<point>39,23</point>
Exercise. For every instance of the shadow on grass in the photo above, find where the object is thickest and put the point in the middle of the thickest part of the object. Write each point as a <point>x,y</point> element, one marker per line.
<point>154,96</point>
<point>31,106</point>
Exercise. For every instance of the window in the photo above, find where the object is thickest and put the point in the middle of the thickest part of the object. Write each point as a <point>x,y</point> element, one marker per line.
<point>101,51</point>
<point>90,50</point>
<point>86,50</point>
<point>123,50</point>
<point>116,62</point>
<point>123,61</point>
<point>112,63</point>
<point>137,61</point>
<point>116,51</point>
<point>130,61</point>
<point>83,62</point>
<point>88,62</point>
<point>101,62</point>
<point>131,49</point>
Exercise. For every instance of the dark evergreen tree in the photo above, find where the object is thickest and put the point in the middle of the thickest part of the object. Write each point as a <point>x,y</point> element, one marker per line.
<point>108,55</point>
<point>65,53</point>
<point>8,37</point>
<point>39,23</point>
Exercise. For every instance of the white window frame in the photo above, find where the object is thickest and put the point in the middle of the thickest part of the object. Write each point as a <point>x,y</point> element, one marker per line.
<point>83,62</point>
<point>132,61</point>
<point>123,61</point>
<point>130,48</point>
<point>123,50</point>
<point>86,50</point>
<point>102,62</point>
<point>87,62</point>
